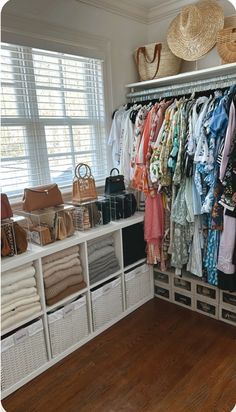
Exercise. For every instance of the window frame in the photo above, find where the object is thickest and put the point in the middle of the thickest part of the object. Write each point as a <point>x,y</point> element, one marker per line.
<point>56,38</point>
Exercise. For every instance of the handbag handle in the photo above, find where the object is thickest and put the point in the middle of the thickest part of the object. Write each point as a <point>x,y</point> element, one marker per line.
<point>114,168</point>
<point>78,171</point>
<point>157,49</point>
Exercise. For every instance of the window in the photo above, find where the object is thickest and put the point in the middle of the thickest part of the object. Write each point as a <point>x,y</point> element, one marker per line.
<point>53,117</point>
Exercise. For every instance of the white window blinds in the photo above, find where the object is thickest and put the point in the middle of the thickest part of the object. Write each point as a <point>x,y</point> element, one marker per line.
<point>53,117</point>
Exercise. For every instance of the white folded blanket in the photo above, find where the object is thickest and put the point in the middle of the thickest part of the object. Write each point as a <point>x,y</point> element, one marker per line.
<point>15,317</point>
<point>60,267</point>
<point>21,293</point>
<point>61,254</point>
<point>25,283</point>
<point>10,277</point>
<point>24,301</point>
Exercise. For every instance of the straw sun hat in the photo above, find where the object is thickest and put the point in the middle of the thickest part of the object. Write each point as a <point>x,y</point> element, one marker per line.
<point>193,32</point>
<point>226,40</point>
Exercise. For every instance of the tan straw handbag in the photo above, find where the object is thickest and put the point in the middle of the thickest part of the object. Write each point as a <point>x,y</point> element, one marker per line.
<point>156,60</point>
<point>84,188</point>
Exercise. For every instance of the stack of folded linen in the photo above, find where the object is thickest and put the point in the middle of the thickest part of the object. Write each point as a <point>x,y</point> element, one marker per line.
<point>102,259</point>
<point>19,297</point>
<point>63,274</point>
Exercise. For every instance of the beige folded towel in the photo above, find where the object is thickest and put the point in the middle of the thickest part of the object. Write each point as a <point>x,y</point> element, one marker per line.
<point>60,267</point>
<point>10,277</point>
<point>67,292</point>
<point>62,274</point>
<point>60,254</point>
<point>29,310</point>
<point>25,283</point>
<point>20,302</point>
<point>21,293</point>
<point>61,261</point>
<point>60,286</point>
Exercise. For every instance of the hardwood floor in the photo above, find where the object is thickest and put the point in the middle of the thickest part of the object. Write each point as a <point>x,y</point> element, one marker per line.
<point>161,358</point>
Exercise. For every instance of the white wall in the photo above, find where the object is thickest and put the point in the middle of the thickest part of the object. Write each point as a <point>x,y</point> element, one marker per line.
<point>120,34</point>
<point>117,35</point>
<point>157,33</point>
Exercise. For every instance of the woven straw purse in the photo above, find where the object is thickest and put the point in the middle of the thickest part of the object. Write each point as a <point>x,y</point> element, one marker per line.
<point>156,60</point>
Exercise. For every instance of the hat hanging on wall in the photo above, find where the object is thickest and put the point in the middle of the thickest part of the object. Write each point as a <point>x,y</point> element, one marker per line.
<point>193,32</point>
<point>226,44</point>
<point>226,40</point>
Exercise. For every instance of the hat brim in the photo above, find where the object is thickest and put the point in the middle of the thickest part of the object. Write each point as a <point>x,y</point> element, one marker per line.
<point>227,51</point>
<point>192,47</point>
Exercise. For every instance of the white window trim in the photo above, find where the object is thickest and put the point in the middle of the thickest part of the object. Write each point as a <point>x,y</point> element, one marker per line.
<point>38,34</point>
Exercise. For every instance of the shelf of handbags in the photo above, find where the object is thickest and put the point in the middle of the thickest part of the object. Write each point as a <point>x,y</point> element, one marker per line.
<point>58,296</point>
<point>196,295</point>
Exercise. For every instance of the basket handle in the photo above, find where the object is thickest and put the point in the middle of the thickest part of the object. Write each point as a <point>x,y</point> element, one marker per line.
<point>78,171</point>
<point>114,168</point>
<point>157,50</point>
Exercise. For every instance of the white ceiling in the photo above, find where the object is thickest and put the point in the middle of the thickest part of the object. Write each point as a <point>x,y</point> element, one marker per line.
<point>145,3</point>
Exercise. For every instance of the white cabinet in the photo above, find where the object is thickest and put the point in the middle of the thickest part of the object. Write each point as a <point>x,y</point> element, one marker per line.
<point>57,329</point>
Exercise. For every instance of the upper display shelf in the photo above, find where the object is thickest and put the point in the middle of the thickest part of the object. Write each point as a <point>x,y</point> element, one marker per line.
<point>226,69</point>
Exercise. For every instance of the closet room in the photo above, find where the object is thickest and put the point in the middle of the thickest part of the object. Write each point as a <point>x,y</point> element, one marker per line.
<point>118,206</point>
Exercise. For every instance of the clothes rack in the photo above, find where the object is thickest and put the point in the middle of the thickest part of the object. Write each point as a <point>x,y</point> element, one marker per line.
<point>182,88</point>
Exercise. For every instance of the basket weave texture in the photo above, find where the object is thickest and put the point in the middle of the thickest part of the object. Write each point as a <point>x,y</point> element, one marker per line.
<point>147,62</point>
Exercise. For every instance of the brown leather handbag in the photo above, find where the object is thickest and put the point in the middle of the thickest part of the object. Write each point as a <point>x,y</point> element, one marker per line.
<point>40,197</point>
<point>6,211</point>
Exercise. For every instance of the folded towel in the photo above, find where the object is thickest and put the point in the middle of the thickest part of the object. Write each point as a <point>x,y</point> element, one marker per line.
<point>97,254</point>
<point>60,267</point>
<point>20,302</point>
<point>21,293</point>
<point>62,274</point>
<point>60,254</point>
<point>98,244</point>
<point>103,273</point>
<point>61,261</point>
<point>67,292</point>
<point>10,277</point>
<point>25,283</point>
<point>54,290</point>
<point>103,261</point>
<point>29,310</point>
<point>20,309</point>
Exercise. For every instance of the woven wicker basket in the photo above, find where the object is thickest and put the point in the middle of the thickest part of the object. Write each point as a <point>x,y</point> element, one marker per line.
<point>106,303</point>
<point>22,353</point>
<point>137,285</point>
<point>156,60</point>
<point>68,326</point>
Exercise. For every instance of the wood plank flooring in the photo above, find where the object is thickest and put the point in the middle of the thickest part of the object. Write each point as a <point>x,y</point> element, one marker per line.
<point>161,358</point>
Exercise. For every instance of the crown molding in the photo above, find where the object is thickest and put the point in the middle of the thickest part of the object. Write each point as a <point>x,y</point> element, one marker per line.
<point>123,8</point>
<point>166,10</point>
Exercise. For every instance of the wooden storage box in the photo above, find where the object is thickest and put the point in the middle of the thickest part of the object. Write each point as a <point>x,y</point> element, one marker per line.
<point>137,285</point>
<point>23,352</point>
<point>106,303</point>
<point>68,325</point>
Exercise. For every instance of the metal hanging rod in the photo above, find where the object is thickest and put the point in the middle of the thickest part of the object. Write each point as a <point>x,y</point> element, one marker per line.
<point>183,88</point>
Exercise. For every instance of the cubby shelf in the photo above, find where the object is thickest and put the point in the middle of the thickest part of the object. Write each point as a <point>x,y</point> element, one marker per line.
<point>35,256</point>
